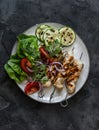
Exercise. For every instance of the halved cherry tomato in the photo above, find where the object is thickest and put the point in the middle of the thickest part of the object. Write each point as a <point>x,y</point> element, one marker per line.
<point>32,87</point>
<point>25,64</point>
<point>45,56</point>
<point>43,53</point>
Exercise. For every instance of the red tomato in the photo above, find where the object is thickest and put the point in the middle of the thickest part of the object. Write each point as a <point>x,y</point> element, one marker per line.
<point>43,52</point>
<point>45,56</point>
<point>32,87</point>
<point>25,64</point>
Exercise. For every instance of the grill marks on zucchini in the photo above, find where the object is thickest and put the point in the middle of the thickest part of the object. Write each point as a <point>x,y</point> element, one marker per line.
<point>47,35</point>
<point>40,31</point>
<point>50,36</point>
<point>67,36</point>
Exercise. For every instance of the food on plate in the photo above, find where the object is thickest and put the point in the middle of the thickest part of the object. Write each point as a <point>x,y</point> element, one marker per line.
<point>47,83</point>
<point>69,72</point>
<point>46,34</point>
<point>67,36</point>
<point>40,31</point>
<point>32,87</point>
<point>14,70</point>
<point>50,36</point>
<point>75,70</point>
<point>26,65</point>
<point>41,61</point>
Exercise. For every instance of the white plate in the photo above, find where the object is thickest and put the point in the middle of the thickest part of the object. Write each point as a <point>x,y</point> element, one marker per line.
<point>60,95</point>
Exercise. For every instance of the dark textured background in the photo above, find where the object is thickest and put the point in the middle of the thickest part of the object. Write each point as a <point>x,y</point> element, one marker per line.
<point>17,111</point>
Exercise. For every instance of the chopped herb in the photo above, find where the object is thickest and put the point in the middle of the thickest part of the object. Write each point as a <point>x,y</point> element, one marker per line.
<point>39,72</point>
<point>54,48</point>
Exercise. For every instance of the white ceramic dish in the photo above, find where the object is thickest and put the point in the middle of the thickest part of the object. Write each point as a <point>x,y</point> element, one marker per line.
<point>60,95</point>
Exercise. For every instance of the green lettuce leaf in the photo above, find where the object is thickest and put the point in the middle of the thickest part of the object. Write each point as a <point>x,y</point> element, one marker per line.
<point>28,47</point>
<point>13,75</point>
<point>14,70</point>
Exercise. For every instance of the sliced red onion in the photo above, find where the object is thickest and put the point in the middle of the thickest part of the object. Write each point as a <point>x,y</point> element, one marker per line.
<point>39,62</point>
<point>54,63</point>
<point>30,70</point>
<point>59,70</point>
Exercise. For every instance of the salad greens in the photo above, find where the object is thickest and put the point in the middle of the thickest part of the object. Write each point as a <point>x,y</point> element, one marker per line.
<point>14,70</point>
<point>40,73</point>
<point>28,47</point>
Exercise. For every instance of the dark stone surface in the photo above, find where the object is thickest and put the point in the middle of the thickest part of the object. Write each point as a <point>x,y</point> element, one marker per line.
<point>17,111</point>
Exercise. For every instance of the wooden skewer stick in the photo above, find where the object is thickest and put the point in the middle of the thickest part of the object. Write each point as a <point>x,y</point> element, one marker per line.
<point>81,55</point>
<point>52,94</point>
<point>40,93</point>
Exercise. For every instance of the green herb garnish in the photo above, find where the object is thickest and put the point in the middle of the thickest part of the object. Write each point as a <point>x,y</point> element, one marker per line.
<point>54,48</point>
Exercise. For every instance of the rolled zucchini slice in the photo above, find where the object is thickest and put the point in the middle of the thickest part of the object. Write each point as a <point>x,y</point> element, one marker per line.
<point>40,31</point>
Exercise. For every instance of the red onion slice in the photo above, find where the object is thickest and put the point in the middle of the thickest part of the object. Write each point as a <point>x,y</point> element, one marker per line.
<point>39,62</point>
<point>59,70</point>
<point>30,70</point>
<point>58,63</point>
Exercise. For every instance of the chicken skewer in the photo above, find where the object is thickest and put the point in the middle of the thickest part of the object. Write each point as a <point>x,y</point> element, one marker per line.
<point>73,78</point>
<point>72,68</point>
<point>60,78</point>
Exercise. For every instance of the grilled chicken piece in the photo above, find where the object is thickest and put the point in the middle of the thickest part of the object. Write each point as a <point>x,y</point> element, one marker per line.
<point>51,73</point>
<point>56,78</point>
<point>71,87</point>
<point>69,55</point>
<point>72,69</point>
<point>73,76</point>
<point>62,76</point>
<point>68,60</point>
<point>59,81</point>
<point>47,84</point>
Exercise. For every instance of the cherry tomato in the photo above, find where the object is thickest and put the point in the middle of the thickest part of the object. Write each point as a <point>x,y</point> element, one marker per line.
<point>26,65</point>
<point>45,56</point>
<point>32,87</point>
<point>43,52</point>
